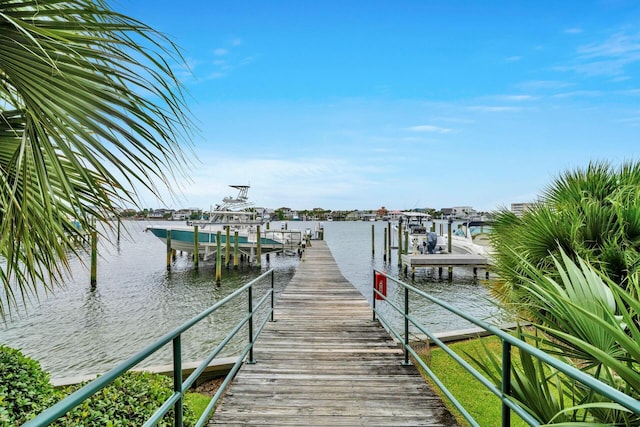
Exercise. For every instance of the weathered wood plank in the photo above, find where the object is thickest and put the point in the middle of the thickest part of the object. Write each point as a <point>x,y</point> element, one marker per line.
<point>325,362</point>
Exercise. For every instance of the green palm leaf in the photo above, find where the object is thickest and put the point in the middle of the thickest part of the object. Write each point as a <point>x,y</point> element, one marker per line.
<point>90,110</point>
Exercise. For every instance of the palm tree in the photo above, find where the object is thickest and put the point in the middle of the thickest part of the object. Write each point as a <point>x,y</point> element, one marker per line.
<point>590,323</point>
<point>593,214</point>
<point>570,266</point>
<point>89,110</point>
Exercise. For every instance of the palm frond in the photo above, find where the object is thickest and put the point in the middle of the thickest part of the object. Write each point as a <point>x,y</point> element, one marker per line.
<point>91,109</point>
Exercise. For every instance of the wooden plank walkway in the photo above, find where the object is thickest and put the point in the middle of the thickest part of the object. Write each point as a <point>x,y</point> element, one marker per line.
<point>325,362</point>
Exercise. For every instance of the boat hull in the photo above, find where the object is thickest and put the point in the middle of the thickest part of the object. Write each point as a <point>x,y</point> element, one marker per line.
<point>183,239</point>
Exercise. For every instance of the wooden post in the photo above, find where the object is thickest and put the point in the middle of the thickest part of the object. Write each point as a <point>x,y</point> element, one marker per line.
<point>219,256</point>
<point>169,250</point>
<point>399,244</point>
<point>406,241</point>
<point>94,258</point>
<point>449,238</point>
<point>236,255</point>
<point>384,248</point>
<point>196,247</point>
<point>259,248</point>
<point>373,240</point>
<point>450,273</point>
<point>389,234</point>
<point>227,246</point>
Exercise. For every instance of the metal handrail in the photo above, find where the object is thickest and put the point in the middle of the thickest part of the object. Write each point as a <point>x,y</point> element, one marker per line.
<point>180,388</point>
<point>508,341</point>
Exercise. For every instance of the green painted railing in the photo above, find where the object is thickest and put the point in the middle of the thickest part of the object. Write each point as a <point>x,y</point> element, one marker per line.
<point>180,387</point>
<point>508,341</point>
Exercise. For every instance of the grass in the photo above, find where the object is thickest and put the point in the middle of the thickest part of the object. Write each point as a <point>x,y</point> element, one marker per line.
<point>482,404</point>
<point>197,402</point>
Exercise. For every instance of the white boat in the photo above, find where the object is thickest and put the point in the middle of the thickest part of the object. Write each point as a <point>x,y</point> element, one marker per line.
<point>420,240</point>
<point>236,216</point>
<point>472,237</point>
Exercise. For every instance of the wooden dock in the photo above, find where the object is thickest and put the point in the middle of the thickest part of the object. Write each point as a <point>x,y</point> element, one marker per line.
<point>325,362</point>
<point>450,260</point>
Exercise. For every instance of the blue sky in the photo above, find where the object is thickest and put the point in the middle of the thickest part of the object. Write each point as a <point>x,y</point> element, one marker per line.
<point>404,104</point>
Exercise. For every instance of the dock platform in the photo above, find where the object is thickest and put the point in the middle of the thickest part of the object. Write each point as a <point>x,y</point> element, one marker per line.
<point>448,260</point>
<point>325,362</point>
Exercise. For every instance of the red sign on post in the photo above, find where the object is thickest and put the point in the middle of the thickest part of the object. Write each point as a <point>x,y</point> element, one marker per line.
<point>381,286</point>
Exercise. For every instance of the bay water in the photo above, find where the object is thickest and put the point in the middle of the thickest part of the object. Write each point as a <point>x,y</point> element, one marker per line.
<point>80,330</point>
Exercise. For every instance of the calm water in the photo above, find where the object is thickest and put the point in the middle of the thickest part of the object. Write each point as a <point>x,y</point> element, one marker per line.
<point>81,331</point>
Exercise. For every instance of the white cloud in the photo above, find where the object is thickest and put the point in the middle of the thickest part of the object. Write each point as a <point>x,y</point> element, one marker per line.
<point>578,93</point>
<point>493,109</point>
<point>220,51</point>
<point>617,46</point>
<point>516,98</point>
<point>429,128</point>
<point>513,58</point>
<point>606,58</point>
<point>573,30</point>
<point>543,85</point>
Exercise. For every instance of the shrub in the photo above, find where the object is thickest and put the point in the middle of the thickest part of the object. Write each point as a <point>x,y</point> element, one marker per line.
<point>130,400</point>
<point>25,390</point>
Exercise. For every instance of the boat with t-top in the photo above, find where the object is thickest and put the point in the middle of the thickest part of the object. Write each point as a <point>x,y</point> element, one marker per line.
<point>234,222</point>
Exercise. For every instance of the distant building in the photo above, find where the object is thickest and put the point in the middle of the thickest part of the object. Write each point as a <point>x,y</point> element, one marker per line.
<point>182,214</point>
<point>519,208</point>
<point>159,213</point>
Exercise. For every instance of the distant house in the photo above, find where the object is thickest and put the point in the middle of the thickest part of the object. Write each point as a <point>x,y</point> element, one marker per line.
<point>181,215</point>
<point>159,213</point>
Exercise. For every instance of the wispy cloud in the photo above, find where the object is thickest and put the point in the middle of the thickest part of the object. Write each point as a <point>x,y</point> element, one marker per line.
<point>226,59</point>
<point>494,109</point>
<point>429,128</point>
<point>578,93</point>
<point>543,85</point>
<point>513,58</point>
<point>515,98</point>
<point>606,58</point>
<point>573,30</point>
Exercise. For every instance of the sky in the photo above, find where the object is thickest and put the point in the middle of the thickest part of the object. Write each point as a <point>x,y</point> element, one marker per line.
<point>405,104</point>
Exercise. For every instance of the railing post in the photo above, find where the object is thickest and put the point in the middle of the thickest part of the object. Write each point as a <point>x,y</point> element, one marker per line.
<point>250,298</point>
<point>506,382</point>
<point>177,380</point>
<point>273,293</point>
<point>406,326</point>
<point>374,295</point>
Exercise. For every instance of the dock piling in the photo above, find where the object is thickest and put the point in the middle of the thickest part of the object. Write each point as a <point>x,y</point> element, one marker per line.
<point>373,239</point>
<point>236,254</point>
<point>168,250</point>
<point>196,247</point>
<point>384,247</point>
<point>218,257</point>
<point>94,258</point>
<point>258,248</point>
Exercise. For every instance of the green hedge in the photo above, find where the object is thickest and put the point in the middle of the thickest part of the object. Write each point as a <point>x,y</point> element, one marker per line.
<point>130,400</point>
<point>24,388</point>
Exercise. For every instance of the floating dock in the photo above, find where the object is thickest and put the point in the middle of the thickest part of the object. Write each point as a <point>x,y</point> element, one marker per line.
<point>448,260</point>
<point>325,362</point>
